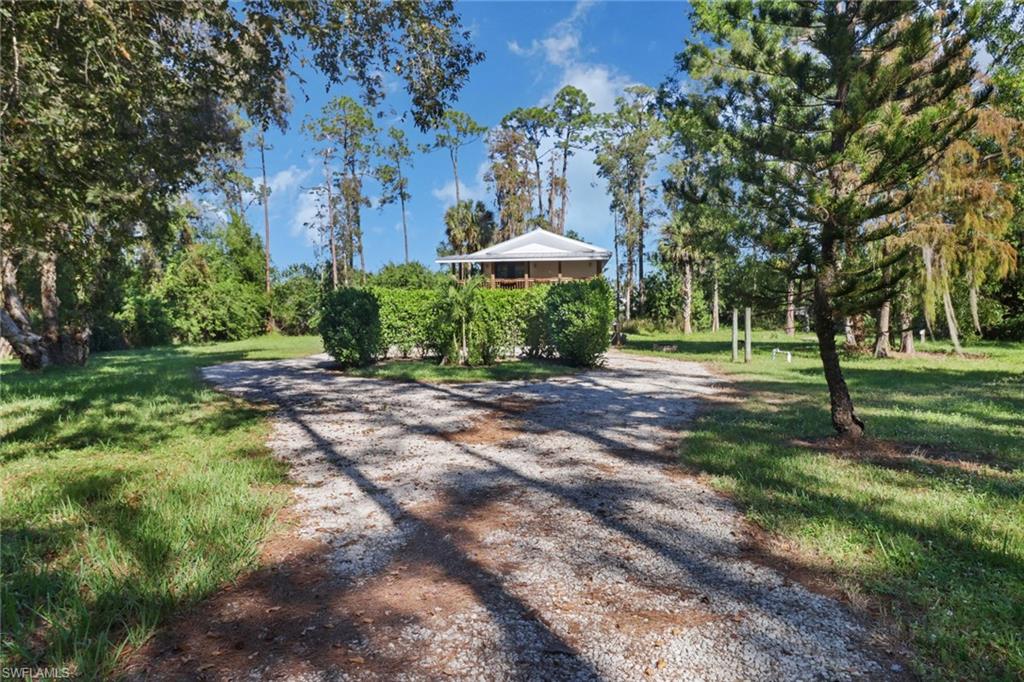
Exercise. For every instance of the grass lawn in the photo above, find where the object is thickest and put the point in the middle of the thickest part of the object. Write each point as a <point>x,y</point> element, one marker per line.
<point>130,490</point>
<point>936,538</point>
<point>428,371</point>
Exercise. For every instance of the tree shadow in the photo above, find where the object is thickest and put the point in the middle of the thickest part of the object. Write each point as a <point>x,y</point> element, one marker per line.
<point>627,429</point>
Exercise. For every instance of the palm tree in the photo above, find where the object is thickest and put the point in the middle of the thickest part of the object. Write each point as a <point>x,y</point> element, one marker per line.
<point>458,301</point>
<point>676,249</point>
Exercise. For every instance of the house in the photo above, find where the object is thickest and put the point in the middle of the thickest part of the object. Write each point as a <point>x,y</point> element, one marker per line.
<point>537,257</point>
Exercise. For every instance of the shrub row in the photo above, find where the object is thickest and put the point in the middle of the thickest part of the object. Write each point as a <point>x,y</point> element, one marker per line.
<point>468,323</point>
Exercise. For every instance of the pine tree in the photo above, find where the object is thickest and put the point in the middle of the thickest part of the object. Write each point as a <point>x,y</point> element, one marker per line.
<point>833,110</point>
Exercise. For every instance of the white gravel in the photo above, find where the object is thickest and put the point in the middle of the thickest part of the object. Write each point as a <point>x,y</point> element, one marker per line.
<point>587,555</point>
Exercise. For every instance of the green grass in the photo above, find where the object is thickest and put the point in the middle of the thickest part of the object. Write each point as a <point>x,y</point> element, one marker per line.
<point>939,547</point>
<point>129,490</point>
<point>427,371</point>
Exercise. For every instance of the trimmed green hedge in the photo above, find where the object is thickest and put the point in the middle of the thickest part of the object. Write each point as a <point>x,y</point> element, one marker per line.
<point>501,322</point>
<point>579,315</point>
<point>350,326</point>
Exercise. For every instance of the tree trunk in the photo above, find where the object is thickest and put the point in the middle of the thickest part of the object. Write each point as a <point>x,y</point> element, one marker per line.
<point>331,227</point>
<point>687,297</point>
<point>747,336</point>
<point>564,203</point>
<point>629,283</point>
<point>790,309</point>
<point>951,325</point>
<point>882,331</point>
<point>844,419</point>
<point>455,170</point>
<point>404,228</point>
<point>49,303</point>
<point>906,329</point>
<point>641,204</point>
<point>714,297</point>
<point>540,185</point>
<point>973,298</point>
<point>53,346</point>
<point>266,232</point>
<point>27,345</point>
<point>735,335</point>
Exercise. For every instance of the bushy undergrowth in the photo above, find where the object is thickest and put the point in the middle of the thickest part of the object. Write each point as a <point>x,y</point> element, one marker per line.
<point>350,327</point>
<point>469,324</point>
<point>579,315</point>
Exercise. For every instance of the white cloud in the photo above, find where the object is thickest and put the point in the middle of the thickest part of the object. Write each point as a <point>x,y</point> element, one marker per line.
<point>601,83</point>
<point>306,207</point>
<point>474,190</point>
<point>563,47</point>
<point>288,179</point>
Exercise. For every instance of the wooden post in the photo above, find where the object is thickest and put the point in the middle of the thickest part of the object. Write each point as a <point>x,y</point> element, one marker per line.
<point>559,271</point>
<point>735,335</point>
<point>746,334</point>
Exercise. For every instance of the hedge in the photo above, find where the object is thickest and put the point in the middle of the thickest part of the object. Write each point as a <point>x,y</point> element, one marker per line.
<point>579,315</point>
<point>350,327</point>
<point>502,322</point>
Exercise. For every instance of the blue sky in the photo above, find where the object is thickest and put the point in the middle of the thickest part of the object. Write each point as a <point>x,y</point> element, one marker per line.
<point>532,49</point>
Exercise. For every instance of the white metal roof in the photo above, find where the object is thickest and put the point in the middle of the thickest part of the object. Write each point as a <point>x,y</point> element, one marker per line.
<point>538,244</point>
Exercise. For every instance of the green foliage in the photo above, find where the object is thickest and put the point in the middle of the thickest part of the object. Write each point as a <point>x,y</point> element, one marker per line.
<point>944,551</point>
<point>414,275</point>
<point>536,340</point>
<point>663,301</point>
<point>350,326</point>
<point>206,300</point>
<point>408,318</point>
<point>498,325</point>
<point>579,319</point>
<point>498,322</point>
<point>144,320</point>
<point>468,226</point>
<point>296,301</point>
<point>131,490</point>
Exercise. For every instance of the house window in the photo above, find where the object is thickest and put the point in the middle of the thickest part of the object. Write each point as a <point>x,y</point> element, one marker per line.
<point>510,270</point>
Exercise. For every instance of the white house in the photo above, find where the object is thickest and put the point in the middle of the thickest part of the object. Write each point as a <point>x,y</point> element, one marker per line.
<point>537,257</point>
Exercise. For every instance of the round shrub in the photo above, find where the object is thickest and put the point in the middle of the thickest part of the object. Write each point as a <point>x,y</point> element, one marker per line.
<point>350,327</point>
<point>579,320</point>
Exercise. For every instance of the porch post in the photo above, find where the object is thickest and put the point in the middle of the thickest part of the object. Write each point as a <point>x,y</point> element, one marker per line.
<point>559,271</point>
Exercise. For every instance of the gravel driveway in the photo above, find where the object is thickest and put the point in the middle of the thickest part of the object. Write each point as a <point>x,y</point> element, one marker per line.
<point>515,530</point>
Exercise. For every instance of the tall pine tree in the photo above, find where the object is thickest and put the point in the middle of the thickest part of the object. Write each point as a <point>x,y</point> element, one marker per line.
<point>834,111</point>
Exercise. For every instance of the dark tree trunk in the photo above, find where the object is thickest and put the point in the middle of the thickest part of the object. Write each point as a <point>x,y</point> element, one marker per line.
<point>790,309</point>
<point>26,345</point>
<point>688,297</point>
<point>844,420</point>
<point>54,346</point>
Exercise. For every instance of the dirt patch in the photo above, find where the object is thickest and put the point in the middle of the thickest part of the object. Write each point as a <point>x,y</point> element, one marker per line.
<point>894,454</point>
<point>501,423</point>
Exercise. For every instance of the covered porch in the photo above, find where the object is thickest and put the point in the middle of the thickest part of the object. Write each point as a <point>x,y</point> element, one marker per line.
<point>537,257</point>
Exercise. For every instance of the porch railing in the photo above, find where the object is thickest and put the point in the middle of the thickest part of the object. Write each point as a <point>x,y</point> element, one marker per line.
<point>520,282</point>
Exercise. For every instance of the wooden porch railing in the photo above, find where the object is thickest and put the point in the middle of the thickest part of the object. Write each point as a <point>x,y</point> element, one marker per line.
<point>520,282</point>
